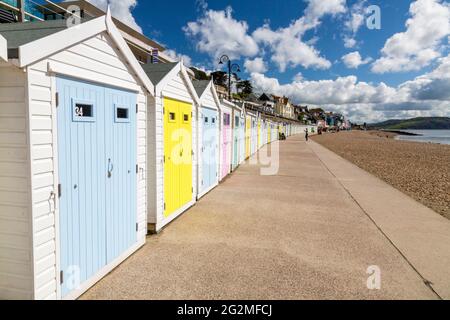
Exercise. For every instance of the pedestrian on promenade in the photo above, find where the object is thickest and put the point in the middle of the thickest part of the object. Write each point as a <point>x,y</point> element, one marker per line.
<point>306,134</point>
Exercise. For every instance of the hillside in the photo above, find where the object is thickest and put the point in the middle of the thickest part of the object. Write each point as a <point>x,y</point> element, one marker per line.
<point>436,123</point>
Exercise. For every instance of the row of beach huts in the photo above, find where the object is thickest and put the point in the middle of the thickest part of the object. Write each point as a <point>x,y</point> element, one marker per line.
<point>97,150</point>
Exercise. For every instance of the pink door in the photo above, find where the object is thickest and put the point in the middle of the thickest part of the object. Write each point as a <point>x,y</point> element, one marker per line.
<point>225,145</point>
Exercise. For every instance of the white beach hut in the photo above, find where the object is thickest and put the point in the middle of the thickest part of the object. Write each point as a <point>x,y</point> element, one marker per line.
<point>3,49</point>
<point>172,144</point>
<point>226,141</point>
<point>72,150</point>
<point>238,136</point>
<point>254,132</point>
<point>264,131</point>
<point>275,131</point>
<point>242,155</point>
<point>208,137</point>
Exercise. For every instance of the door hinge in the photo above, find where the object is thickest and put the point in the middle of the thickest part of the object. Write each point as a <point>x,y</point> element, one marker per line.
<point>137,108</point>
<point>61,277</point>
<point>59,191</point>
<point>164,206</point>
<point>137,169</point>
<point>137,227</point>
<point>164,110</point>
<point>192,189</point>
<point>57,99</point>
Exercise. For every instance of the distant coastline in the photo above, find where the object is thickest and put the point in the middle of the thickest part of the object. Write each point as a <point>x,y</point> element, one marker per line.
<point>402,133</point>
<point>425,136</point>
<point>422,123</point>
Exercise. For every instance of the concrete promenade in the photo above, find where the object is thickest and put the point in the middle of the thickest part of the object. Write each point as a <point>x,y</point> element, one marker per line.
<point>309,232</point>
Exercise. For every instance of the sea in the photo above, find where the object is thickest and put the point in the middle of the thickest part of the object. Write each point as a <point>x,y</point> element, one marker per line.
<point>427,136</point>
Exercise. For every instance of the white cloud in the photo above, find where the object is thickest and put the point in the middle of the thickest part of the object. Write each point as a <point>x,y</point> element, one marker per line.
<point>420,44</point>
<point>354,21</point>
<point>256,65</point>
<point>349,42</point>
<point>287,45</point>
<point>178,57</point>
<point>426,95</point>
<point>298,77</point>
<point>434,85</point>
<point>121,10</point>
<point>217,33</point>
<point>343,90</point>
<point>353,60</point>
<point>288,49</point>
<point>318,8</point>
<point>202,5</point>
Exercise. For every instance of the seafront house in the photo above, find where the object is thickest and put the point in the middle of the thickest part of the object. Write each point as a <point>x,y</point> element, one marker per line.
<point>268,104</point>
<point>283,107</point>
<point>73,123</point>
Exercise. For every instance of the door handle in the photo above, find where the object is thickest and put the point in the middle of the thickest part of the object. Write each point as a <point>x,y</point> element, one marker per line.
<point>110,168</point>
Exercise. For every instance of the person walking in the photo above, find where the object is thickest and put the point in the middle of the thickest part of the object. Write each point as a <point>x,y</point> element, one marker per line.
<point>306,134</point>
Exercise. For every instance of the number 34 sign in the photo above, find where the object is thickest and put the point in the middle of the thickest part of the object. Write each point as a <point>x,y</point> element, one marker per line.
<point>79,111</point>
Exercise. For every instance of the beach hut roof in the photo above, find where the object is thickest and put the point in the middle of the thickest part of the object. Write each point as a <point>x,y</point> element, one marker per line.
<point>158,71</point>
<point>200,86</point>
<point>18,34</point>
<point>162,73</point>
<point>33,41</point>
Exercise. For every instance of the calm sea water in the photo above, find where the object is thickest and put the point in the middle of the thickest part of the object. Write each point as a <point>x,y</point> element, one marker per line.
<point>433,136</point>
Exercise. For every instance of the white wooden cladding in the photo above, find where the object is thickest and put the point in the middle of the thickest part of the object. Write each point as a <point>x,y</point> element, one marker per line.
<point>29,248</point>
<point>176,85</point>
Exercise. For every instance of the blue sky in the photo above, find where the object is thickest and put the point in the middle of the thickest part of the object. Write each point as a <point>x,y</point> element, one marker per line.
<point>255,13</point>
<point>316,52</point>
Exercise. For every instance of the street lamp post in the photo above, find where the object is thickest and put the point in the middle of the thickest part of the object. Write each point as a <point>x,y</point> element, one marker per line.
<point>231,66</point>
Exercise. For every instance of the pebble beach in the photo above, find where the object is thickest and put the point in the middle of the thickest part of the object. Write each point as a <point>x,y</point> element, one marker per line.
<point>421,170</point>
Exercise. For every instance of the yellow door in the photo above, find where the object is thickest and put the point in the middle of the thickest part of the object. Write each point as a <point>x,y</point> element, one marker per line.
<point>248,128</point>
<point>171,174</point>
<point>177,155</point>
<point>186,154</point>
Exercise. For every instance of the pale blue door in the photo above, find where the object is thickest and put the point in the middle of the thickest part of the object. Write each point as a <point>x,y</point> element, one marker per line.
<point>209,148</point>
<point>97,177</point>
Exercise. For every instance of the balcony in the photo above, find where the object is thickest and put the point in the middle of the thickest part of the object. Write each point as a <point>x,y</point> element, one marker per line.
<point>33,8</point>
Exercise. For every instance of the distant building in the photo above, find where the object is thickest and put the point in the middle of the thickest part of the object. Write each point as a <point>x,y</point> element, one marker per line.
<point>268,103</point>
<point>222,92</point>
<point>283,107</point>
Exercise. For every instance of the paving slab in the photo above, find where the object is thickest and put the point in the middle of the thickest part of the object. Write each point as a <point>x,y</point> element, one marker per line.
<point>297,234</point>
